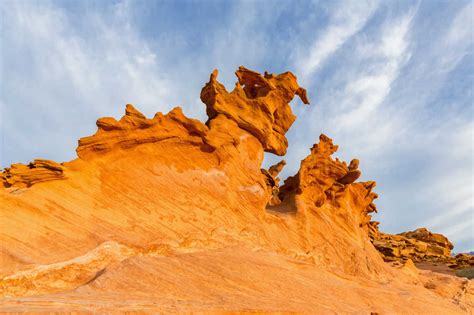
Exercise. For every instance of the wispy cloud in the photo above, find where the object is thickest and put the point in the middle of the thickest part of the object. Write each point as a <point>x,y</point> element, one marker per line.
<point>458,39</point>
<point>448,189</point>
<point>57,73</point>
<point>345,21</point>
<point>365,93</point>
<point>351,104</point>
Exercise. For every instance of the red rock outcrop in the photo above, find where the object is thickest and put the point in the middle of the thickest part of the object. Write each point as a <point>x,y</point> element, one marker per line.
<point>21,175</point>
<point>331,210</point>
<point>168,214</point>
<point>419,245</point>
<point>322,179</point>
<point>258,104</point>
<point>134,129</point>
<point>272,182</point>
<point>440,243</point>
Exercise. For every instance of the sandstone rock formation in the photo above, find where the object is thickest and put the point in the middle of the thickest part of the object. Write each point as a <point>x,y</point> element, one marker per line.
<point>420,245</point>
<point>258,104</point>
<point>134,129</point>
<point>272,182</point>
<point>439,243</point>
<point>168,214</point>
<point>322,179</point>
<point>21,176</point>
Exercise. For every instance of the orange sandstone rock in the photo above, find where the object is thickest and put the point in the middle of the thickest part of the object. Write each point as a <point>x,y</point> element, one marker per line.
<point>276,169</point>
<point>272,182</point>
<point>258,104</point>
<point>327,209</point>
<point>426,236</point>
<point>134,129</point>
<point>160,214</point>
<point>419,246</point>
<point>20,175</point>
<point>322,179</point>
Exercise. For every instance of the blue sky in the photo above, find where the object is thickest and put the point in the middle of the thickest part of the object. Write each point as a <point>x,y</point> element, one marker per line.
<point>390,81</point>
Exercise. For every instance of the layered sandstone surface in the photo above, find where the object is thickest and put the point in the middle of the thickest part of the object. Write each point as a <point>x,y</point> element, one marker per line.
<point>170,214</point>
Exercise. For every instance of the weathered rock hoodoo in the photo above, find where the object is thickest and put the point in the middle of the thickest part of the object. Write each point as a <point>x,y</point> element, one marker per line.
<point>322,179</point>
<point>258,104</point>
<point>273,182</point>
<point>169,214</point>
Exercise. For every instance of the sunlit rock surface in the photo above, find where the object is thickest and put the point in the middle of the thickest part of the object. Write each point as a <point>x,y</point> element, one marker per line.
<point>169,214</point>
<point>21,175</point>
<point>420,245</point>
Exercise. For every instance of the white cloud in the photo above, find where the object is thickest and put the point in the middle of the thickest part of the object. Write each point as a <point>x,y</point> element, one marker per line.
<point>364,94</point>
<point>67,68</point>
<point>348,18</point>
<point>449,180</point>
<point>458,39</point>
<point>362,83</point>
<point>62,77</point>
<point>349,106</point>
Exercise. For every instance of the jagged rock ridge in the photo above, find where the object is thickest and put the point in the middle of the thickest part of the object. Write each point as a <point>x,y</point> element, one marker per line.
<point>259,105</point>
<point>170,214</point>
<point>21,176</point>
<point>419,245</point>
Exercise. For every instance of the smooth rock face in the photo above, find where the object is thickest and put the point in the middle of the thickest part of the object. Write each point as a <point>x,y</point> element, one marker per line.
<point>168,214</point>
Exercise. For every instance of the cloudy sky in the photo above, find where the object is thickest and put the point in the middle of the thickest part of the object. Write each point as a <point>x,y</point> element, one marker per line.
<point>390,81</point>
